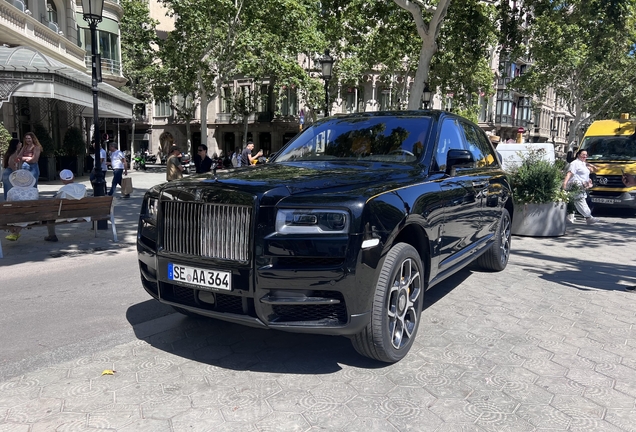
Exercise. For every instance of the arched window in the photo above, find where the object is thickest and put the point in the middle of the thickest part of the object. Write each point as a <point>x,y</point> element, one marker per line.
<point>52,11</point>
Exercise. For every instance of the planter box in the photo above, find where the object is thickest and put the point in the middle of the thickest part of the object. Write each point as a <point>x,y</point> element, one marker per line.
<point>73,163</point>
<point>539,220</point>
<point>47,168</point>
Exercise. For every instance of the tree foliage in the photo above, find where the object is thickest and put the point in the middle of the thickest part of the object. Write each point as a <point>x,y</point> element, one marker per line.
<point>584,50</point>
<point>138,43</point>
<point>445,43</point>
<point>215,41</point>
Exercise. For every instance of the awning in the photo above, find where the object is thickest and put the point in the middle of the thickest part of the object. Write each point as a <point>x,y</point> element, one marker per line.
<point>28,73</point>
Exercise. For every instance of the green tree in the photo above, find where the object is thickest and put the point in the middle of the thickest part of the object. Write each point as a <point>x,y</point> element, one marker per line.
<point>138,51</point>
<point>138,48</point>
<point>217,40</point>
<point>441,42</point>
<point>584,50</point>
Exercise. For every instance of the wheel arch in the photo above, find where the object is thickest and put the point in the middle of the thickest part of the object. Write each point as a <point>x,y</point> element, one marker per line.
<point>416,236</point>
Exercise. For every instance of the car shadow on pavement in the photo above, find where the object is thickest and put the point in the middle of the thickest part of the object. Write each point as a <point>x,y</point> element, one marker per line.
<point>236,347</point>
<point>596,257</point>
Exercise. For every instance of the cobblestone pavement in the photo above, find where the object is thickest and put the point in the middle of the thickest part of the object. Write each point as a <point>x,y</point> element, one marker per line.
<point>547,345</point>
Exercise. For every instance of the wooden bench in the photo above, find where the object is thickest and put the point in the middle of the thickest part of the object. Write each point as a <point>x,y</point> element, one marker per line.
<point>37,212</point>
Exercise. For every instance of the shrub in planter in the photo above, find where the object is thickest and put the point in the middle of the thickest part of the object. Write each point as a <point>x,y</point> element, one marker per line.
<point>540,201</point>
<point>74,144</point>
<point>71,155</point>
<point>5,137</point>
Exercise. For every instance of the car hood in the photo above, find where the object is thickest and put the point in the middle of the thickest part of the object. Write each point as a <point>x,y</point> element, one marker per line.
<point>614,167</point>
<point>298,178</point>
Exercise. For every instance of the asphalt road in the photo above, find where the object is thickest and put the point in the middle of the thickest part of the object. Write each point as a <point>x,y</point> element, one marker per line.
<point>57,309</point>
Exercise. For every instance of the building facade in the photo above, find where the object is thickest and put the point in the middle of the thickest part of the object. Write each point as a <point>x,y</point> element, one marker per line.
<point>45,70</point>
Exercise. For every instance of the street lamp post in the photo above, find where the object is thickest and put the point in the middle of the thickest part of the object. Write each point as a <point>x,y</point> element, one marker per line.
<point>92,11</point>
<point>426,95</point>
<point>326,63</point>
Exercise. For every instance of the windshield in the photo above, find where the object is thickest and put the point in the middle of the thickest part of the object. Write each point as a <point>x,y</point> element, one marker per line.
<point>610,148</point>
<point>368,138</point>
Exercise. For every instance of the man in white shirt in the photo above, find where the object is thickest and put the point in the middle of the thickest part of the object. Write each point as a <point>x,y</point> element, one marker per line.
<point>70,190</point>
<point>120,166</point>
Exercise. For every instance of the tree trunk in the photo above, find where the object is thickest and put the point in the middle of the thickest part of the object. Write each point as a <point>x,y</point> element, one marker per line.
<point>190,149</point>
<point>246,119</point>
<point>204,111</point>
<point>428,33</point>
<point>132,140</point>
<point>429,47</point>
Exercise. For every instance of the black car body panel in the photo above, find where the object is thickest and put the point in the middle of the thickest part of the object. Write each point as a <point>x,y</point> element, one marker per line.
<point>303,237</point>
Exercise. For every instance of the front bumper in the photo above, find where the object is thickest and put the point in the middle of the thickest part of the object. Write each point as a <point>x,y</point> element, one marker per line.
<point>323,297</point>
<point>613,198</point>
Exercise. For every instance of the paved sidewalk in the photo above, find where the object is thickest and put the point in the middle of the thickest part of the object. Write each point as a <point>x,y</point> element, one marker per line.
<point>548,344</point>
<point>80,238</point>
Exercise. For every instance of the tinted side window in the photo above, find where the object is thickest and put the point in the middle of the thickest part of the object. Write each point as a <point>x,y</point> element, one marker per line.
<point>479,146</point>
<point>450,137</point>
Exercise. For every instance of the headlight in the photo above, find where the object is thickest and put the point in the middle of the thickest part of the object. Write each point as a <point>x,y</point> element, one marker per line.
<point>300,221</point>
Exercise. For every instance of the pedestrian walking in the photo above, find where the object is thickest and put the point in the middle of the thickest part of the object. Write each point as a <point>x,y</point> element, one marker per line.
<point>30,155</point>
<point>236,158</point>
<point>120,167</point>
<point>174,169</point>
<point>10,163</point>
<point>578,175</point>
<point>202,162</point>
<point>246,157</point>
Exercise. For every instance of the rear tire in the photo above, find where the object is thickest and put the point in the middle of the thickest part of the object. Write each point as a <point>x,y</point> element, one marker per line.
<point>397,306</point>
<point>496,257</point>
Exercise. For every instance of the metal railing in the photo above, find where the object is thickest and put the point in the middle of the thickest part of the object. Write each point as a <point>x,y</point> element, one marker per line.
<point>109,66</point>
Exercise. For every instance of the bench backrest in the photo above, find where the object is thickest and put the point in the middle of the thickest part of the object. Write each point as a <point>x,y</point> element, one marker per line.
<point>97,208</point>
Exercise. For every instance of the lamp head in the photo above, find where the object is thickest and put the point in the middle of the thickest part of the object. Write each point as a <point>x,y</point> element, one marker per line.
<point>326,63</point>
<point>426,94</point>
<point>92,10</point>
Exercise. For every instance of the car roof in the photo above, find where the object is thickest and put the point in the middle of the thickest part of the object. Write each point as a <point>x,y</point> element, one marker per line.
<point>611,127</point>
<point>436,114</point>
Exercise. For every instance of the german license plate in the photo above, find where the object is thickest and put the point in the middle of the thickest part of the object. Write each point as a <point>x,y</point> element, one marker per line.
<point>605,201</point>
<point>204,278</point>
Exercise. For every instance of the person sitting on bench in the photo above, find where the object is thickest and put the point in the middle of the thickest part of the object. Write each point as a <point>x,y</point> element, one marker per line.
<point>70,190</point>
<point>23,189</point>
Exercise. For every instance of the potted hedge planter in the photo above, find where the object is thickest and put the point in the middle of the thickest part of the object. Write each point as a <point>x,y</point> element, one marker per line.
<point>72,154</point>
<point>540,202</point>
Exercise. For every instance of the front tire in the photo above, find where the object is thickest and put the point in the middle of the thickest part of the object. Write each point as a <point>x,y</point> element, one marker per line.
<point>496,257</point>
<point>397,306</point>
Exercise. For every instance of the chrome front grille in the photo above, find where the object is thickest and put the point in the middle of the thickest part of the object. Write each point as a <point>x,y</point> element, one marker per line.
<point>208,230</point>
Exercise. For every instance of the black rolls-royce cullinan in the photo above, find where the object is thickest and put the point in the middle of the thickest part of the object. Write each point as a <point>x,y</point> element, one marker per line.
<point>341,233</point>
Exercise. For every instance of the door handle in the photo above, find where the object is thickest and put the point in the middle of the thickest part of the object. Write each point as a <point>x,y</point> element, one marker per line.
<point>480,185</point>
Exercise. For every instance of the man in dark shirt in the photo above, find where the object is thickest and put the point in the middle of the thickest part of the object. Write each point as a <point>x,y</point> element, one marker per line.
<point>246,156</point>
<point>202,161</point>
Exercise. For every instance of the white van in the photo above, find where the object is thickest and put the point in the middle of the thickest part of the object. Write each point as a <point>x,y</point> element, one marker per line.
<point>511,154</point>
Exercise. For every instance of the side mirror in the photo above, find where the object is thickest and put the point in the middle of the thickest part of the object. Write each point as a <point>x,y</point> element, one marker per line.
<point>458,159</point>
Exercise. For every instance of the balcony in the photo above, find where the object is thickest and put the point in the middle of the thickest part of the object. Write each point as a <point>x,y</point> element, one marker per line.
<point>509,121</point>
<point>20,28</point>
<point>109,66</point>
<point>226,118</point>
